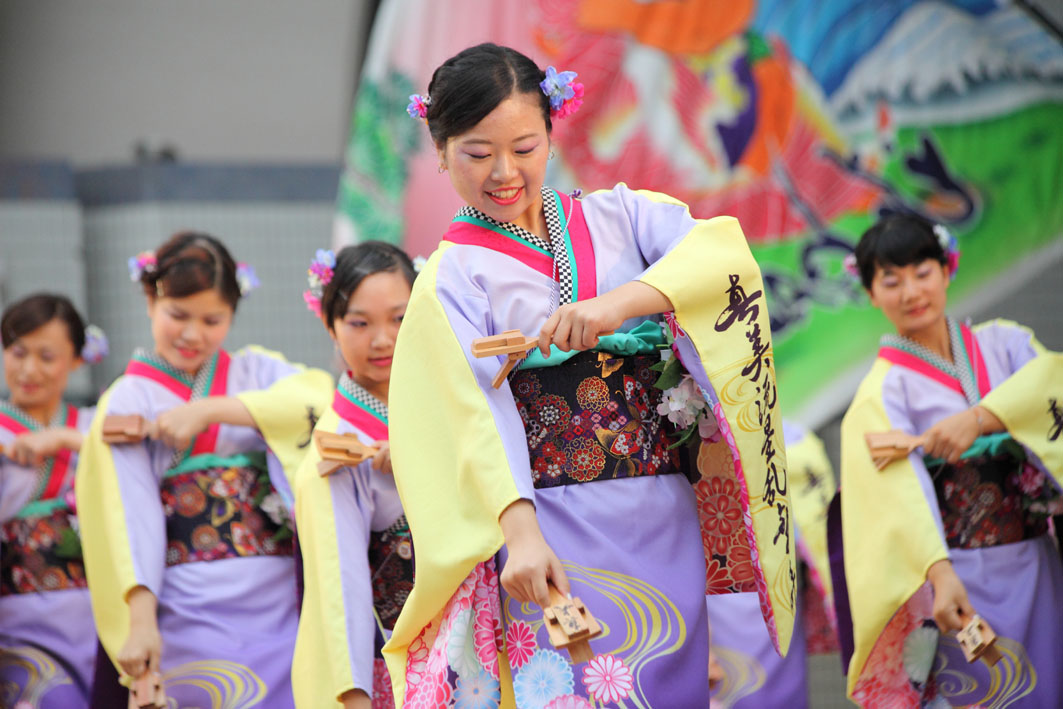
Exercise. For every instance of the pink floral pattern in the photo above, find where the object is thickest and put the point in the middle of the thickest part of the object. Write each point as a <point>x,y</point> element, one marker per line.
<point>382,694</point>
<point>520,643</point>
<point>569,701</point>
<point>607,678</point>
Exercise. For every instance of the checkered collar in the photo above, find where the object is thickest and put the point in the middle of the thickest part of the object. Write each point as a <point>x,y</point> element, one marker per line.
<point>557,228</point>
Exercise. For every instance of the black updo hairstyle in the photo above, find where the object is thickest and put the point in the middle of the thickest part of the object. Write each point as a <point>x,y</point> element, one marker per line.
<point>897,240</point>
<point>353,265</point>
<point>36,311</point>
<point>191,262</point>
<point>469,85</point>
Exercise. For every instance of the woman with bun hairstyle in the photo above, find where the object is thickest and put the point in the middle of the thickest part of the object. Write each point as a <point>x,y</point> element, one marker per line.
<point>47,637</point>
<point>566,474</point>
<point>188,535</point>
<point>959,527</point>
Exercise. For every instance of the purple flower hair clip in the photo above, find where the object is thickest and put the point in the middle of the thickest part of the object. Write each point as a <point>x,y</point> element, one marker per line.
<point>246,278</point>
<point>564,92</point>
<point>144,262</point>
<point>950,246</point>
<point>418,106</point>
<point>96,345</point>
<point>318,276</point>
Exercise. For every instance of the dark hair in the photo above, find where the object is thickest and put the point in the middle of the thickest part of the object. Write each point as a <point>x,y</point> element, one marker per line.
<point>36,311</point>
<point>897,240</point>
<point>191,262</point>
<point>470,84</point>
<point>353,265</point>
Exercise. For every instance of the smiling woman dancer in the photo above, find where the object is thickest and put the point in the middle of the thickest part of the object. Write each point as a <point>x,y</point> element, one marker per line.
<point>959,526</point>
<point>187,546</point>
<point>47,638</point>
<point>564,473</point>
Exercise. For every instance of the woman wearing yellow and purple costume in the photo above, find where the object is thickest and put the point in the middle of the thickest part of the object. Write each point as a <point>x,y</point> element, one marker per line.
<point>959,526</point>
<point>187,550</point>
<point>47,637</point>
<point>565,473</point>
<point>357,553</point>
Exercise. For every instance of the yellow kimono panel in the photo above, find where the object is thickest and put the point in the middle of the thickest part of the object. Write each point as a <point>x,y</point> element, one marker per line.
<point>891,538</point>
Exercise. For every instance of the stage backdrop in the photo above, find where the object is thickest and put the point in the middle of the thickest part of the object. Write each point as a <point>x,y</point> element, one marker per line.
<point>804,119</point>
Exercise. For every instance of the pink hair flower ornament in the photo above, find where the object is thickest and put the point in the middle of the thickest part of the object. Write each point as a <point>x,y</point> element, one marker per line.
<point>144,262</point>
<point>318,276</point>
<point>418,106</point>
<point>564,92</point>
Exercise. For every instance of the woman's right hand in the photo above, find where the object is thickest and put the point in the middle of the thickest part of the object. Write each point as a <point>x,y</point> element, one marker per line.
<point>142,650</point>
<point>531,562</point>
<point>952,609</point>
<point>143,646</point>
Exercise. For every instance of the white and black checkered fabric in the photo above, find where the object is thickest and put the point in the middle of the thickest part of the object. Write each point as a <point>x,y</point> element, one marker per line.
<point>357,392</point>
<point>556,247</point>
<point>954,369</point>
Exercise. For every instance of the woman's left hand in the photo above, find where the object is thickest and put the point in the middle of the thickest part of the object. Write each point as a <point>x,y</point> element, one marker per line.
<point>950,437</point>
<point>382,460</point>
<point>179,426</point>
<point>577,326</point>
<point>30,449</point>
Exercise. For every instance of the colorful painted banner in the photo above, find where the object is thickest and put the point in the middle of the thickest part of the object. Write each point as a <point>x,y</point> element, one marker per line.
<point>804,119</point>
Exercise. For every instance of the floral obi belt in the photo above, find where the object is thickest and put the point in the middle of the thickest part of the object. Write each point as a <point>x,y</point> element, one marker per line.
<point>223,508</point>
<point>40,550</point>
<point>993,496</point>
<point>391,566</point>
<point>594,417</point>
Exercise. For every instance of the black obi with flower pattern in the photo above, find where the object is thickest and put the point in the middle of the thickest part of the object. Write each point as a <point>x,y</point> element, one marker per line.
<point>595,417</point>
<point>223,508</point>
<point>991,496</point>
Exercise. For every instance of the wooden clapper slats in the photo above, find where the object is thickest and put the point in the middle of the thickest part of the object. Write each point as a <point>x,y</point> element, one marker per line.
<point>126,429</point>
<point>570,625</point>
<point>340,449</point>
<point>890,446</point>
<point>147,692</point>
<point>511,343</point>
<point>979,642</point>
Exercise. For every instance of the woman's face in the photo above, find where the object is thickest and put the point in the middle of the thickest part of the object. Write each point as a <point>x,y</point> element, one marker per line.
<point>37,365</point>
<point>912,297</point>
<point>189,330</point>
<point>498,166</point>
<point>366,333</point>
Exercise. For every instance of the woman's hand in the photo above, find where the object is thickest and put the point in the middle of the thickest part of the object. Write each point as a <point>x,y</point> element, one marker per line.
<point>950,437</point>
<point>30,449</point>
<point>716,673</point>
<point>952,610</point>
<point>179,426</point>
<point>143,646</point>
<point>531,561</point>
<point>382,460</point>
<point>577,326</point>
<point>356,699</point>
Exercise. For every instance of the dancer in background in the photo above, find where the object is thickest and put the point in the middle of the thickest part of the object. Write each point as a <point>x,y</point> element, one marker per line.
<point>959,526</point>
<point>47,637</point>
<point>357,551</point>
<point>188,544</point>
<point>564,473</point>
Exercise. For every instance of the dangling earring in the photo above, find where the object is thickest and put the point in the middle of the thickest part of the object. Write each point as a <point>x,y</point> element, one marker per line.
<point>550,156</point>
<point>442,168</point>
